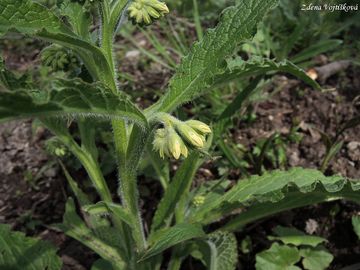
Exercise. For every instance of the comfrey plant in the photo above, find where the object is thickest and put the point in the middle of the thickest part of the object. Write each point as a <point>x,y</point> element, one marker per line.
<point>180,225</point>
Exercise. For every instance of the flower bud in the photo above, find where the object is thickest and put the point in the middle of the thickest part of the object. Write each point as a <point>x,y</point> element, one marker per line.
<point>143,11</point>
<point>174,141</point>
<point>184,150</point>
<point>60,152</point>
<point>160,142</point>
<point>199,126</point>
<point>190,135</point>
<point>168,142</point>
<point>159,6</point>
<point>198,200</point>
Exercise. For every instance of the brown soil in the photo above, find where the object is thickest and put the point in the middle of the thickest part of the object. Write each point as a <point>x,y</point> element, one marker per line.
<point>314,112</point>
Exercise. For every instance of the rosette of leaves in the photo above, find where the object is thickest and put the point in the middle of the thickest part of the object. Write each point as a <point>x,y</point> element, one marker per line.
<point>295,247</point>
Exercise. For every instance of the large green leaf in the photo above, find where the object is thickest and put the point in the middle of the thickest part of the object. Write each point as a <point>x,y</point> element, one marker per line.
<point>28,17</point>
<point>295,237</point>
<point>168,237</point>
<point>315,49</point>
<point>78,17</point>
<point>218,251</point>
<point>238,68</point>
<point>177,188</point>
<point>18,252</point>
<point>69,98</point>
<point>316,259</point>
<point>278,257</point>
<point>272,187</point>
<point>356,224</point>
<point>206,60</point>
<point>74,227</point>
<point>293,199</point>
<point>102,208</point>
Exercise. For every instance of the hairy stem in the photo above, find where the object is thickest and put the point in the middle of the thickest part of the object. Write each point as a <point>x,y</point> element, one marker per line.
<point>127,165</point>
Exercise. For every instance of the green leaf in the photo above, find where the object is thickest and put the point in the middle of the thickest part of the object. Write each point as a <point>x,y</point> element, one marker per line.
<point>278,257</point>
<point>28,17</point>
<point>102,208</point>
<point>356,224</point>
<point>74,227</point>
<point>238,68</point>
<point>31,18</point>
<point>18,252</point>
<point>77,16</point>
<point>177,189</point>
<point>69,98</point>
<point>168,237</point>
<point>316,49</point>
<point>316,259</point>
<point>9,80</point>
<point>219,251</point>
<point>295,237</point>
<point>82,198</point>
<point>239,100</point>
<point>293,199</point>
<point>273,186</point>
<point>206,60</point>
<point>101,265</point>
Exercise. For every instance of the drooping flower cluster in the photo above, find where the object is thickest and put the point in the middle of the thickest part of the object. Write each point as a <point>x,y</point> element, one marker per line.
<point>174,139</point>
<point>145,11</point>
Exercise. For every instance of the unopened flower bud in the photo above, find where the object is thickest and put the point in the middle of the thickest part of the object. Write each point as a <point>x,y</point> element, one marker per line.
<point>60,152</point>
<point>174,141</point>
<point>190,135</point>
<point>198,200</point>
<point>160,142</point>
<point>159,6</point>
<point>199,126</point>
<point>184,150</point>
<point>144,11</point>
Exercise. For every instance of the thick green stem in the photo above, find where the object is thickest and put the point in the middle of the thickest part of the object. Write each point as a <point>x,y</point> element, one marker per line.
<point>127,166</point>
<point>128,153</point>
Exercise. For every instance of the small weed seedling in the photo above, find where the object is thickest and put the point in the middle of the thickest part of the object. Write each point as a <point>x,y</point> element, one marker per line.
<point>294,247</point>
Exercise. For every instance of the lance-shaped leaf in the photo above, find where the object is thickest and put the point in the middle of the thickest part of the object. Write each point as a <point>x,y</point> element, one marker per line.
<point>20,252</point>
<point>238,68</point>
<point>69,98</point>
<point>168,237</point>
<point>178,188</point>
<point>206,60</point>
<point>102,208</point>
<point>293,199</point>
<point>272,188</point>
<point>74,227</point>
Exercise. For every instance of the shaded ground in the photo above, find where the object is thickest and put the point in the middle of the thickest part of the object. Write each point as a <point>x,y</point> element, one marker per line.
<point>314,113</point>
